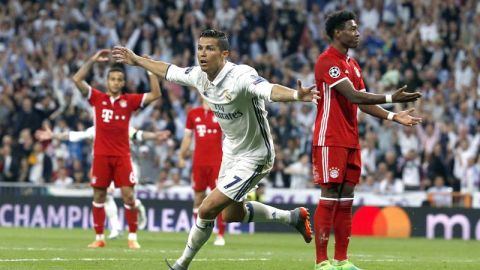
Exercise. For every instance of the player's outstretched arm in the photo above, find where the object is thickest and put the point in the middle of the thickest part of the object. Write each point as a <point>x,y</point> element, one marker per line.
<point>403,117</point>
<point>282,93</point>
<point>158,136</point>
<point>79,77</point>
<point>400,96</point>
<point>47,134</point>
<point>126,56</point>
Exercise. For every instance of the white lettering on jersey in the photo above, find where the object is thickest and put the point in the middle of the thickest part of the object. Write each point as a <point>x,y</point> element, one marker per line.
<point>107,115</point>
<point>201,130</point>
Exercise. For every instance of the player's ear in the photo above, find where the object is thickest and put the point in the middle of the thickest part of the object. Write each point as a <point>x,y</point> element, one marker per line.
<point>225,53</point>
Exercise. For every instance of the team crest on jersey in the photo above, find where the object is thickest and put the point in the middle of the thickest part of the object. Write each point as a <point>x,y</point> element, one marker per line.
<point>214,119</point>
<point>334,72</point>
<point>198,119</point>
<point>104,103</point>
<point>123,103</point>
<point>334,172</point>
<point>357,71</point>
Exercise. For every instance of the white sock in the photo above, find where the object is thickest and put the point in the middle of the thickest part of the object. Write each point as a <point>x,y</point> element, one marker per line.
<point>132,236</point>
<point>259,212</point>
<point>199,234</point>
<point>138,203</point>
<point>111,211</point>
<point>99,237</point>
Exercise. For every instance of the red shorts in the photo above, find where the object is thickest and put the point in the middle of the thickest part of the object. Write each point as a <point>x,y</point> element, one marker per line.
<point>204,176</point>
<point>106,169</point>
<point>335,164</point>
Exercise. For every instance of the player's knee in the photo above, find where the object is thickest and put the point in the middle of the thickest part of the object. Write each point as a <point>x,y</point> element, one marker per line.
<point>207,210</point>
<point>348,190</point>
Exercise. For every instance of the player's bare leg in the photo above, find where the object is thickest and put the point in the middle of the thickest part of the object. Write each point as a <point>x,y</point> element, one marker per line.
<point>98,211</point>
<point>235,212</point>
<point>131,215</point>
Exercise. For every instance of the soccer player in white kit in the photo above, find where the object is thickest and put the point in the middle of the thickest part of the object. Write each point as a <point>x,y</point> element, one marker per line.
<point>236,95</point>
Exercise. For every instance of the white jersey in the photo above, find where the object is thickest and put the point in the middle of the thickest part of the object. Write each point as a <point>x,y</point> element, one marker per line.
<point>237,98</point>
<point>89,133</point>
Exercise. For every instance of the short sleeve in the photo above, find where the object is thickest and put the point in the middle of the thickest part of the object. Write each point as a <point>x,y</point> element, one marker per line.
<point>94,95</point>
<point>330,72</point>
<point>184,76</point>
<point>190,124</point>
<point>136,101</point>
<point>256,85</point>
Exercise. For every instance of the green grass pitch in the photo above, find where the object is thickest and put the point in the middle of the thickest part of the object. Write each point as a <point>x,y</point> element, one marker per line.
<point>66,249</point>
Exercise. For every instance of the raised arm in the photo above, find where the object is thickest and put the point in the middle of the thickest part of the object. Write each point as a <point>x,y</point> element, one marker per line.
<point>155,92</point>
<point>184,146</point>
<point>127,56</point>
<point>79,77</point>
<point>346,88</point>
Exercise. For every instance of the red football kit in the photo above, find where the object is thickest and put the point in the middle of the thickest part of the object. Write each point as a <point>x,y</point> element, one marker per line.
<point>207,156</point>
<point>111,147</point>
<point>336,149</point>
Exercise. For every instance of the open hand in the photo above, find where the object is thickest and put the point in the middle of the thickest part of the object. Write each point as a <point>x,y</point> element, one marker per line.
<point>400,96</point>
<point>308,94</point>
<point>124,55</point>
<point>406,119</point>
<point>44,135</point>
<point>101,56</point>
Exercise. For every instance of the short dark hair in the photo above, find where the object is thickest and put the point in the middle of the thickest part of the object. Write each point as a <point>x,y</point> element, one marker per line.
<point>220,36</point>
<point>117,68</point>
<point>337,20</point>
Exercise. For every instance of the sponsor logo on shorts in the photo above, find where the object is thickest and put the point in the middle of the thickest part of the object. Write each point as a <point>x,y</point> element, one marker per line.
<point>334,172</point>
<point>94,180</point>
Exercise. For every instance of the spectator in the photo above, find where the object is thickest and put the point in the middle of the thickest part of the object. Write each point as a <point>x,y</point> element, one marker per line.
<point>439,194</point>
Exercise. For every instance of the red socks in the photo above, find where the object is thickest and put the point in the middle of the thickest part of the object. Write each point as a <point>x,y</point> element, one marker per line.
<point>98,212</point>
<point>131,215</point>
<point>343,228</point>
<point>220,225</point>
<point>322,226</point>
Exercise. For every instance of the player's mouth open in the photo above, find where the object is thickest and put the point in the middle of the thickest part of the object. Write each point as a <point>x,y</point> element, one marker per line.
<point>203,62</point>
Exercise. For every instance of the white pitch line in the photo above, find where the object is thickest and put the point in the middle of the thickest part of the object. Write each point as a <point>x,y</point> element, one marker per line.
<point>131,259</point>
<point>68,260</point>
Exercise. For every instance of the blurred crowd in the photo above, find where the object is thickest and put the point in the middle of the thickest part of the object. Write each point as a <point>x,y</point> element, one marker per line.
<point>430,46</point>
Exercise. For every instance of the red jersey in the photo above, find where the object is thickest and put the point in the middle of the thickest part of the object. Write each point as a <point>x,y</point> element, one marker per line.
<point>336,121</point>
<point>112,117</point>
<point>208,136</point>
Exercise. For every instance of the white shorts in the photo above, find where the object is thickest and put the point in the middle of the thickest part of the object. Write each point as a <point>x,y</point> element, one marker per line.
<point>237,178</point>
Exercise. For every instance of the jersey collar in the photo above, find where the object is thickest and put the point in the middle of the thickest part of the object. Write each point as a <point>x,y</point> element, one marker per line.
<point>336,52</point>
<point>221,75</point>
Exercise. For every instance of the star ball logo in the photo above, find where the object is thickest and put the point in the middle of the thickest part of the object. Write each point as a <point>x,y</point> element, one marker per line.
<point>334,72</point>
<point>384,222</point>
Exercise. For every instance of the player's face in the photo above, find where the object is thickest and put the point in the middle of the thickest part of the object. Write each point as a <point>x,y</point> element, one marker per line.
<point>349,35</point>
<point>115,82</point>
<point>210,57</point>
